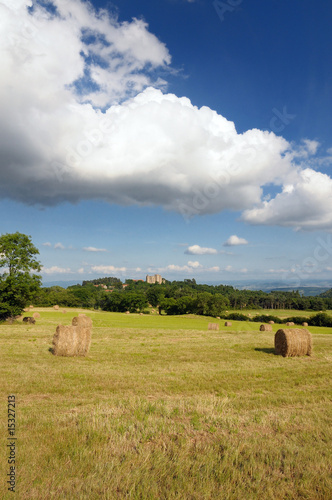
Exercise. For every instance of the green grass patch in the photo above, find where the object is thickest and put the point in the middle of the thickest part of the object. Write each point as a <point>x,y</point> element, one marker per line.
<point>163,408</point>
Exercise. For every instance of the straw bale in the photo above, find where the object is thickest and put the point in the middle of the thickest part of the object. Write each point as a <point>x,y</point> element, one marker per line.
<point>213,326</point>
<point>31,307</point>
<point>304,324</point>
<point>265,328</point>
<point>83,325</point>
<point>271,322</point>
<point>218,317</point>
<point>64,311</point>
<point>36,315</point>
<point>293,342</point>
<point>290,323</point>
<point>26,309</point>
<point>228,323</point>
<point>74,339</point>
<point>127,312</point>
<point>65,341</point>
<point>56,308</point>
<point>82,320</point>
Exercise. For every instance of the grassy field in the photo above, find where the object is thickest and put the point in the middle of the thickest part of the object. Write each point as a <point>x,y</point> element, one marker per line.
<point>162,408</point>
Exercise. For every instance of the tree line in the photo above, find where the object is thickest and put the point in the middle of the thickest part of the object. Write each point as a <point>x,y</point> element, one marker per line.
<point>177,297</point>
<point>20,286</point>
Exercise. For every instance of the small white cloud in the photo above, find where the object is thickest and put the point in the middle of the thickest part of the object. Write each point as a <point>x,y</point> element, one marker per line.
<point>47,244</point>
<point>228,268</point>
<point>280,271</point>
<point>174,267</point>
<point>94,249</point>
<point>108,269</point>
<point>138,269</point>
<point>194,265</point>
<point>56,270</point>
<point>197,250</point>
<point>234,241</point>
<point>60,246</point>
<point>81,270</point>
<point>190,267</point>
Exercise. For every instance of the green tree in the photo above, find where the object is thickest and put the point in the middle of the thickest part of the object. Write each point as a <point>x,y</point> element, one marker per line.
<point>17,284</point>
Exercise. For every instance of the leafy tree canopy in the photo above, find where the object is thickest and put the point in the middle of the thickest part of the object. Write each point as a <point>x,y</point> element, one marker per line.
<point>17,284</point>
<point>17,253</point>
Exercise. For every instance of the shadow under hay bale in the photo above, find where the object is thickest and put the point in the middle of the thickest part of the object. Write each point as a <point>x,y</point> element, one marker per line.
<point>228,323</point>
<point>293,342</point>
<point>28,319</point>
<point>267,350</point>
<point>213,326</point>
<point>265,328</point>
<point>74,339</point>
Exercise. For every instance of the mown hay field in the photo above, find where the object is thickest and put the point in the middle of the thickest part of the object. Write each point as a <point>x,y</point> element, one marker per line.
<point>163,408</point>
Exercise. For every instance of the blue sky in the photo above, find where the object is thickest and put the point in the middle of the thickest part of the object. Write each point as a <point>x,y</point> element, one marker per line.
<point>188,138</point>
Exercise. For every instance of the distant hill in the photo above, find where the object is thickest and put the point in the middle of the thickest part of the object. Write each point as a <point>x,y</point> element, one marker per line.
<point>63,284</point>
<point>327,293</point>
<point>306,291</point>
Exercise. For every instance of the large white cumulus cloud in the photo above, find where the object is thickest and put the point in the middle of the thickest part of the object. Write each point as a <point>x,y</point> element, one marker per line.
<point>82,117</point>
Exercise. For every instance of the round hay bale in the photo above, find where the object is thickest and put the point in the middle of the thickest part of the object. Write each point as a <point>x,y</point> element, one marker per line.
<point>304,324</point>
<point>56,308</point>
<point>271,322</point>
<point>228,323</point>
<point>31,307</point>
<point>36,315</point>
<point>293,342</point>
<point>290,323</point>
<point>26,309</point>
<point>218,317</point>
<point>213,326</point>
<point>64,311</point>
<point>265,328</point>
<point>127,312</point>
